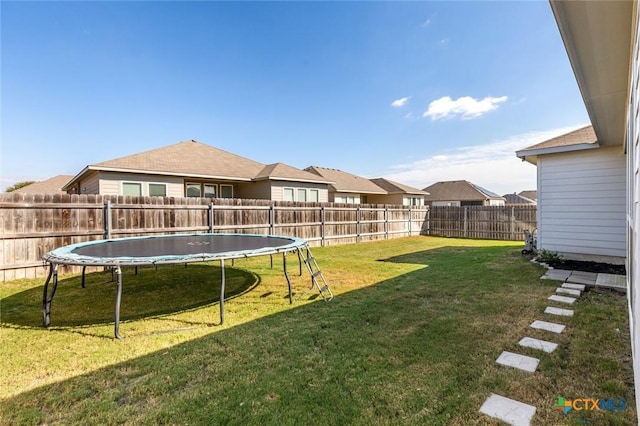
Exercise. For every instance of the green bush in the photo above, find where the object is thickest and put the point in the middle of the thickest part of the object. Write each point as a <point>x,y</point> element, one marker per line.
<point>551,258</point>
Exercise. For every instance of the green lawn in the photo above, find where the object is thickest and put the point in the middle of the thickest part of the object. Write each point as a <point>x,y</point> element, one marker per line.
<point>411,338</point>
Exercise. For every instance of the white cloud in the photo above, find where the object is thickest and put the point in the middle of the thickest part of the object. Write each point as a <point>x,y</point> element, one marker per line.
<point>493,166</point>
<point>465,107</point>
<point>400,102</point>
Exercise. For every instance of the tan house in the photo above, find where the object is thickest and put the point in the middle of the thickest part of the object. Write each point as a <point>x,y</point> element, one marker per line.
<point>352,189</point>
<point>398,193</point>
<point>52,185</point>
<point>194,169</point>
<point>461,193</point>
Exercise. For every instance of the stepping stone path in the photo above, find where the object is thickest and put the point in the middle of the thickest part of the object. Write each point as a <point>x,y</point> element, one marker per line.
<point>558,311</point>
<point>521,362</point>
<point>548,326</point>
<point>574,283</point>
<point>530,342</point>
<point>508,410</point>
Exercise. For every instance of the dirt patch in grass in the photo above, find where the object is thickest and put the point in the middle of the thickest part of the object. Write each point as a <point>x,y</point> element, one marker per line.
<point>604,268</point>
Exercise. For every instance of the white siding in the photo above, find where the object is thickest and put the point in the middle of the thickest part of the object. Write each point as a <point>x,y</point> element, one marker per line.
<point>446,203</point>
<point>633,206</point>
<point>582,203</point>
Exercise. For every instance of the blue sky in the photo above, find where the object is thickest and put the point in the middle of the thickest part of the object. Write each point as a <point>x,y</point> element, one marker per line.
<point>418,92</point>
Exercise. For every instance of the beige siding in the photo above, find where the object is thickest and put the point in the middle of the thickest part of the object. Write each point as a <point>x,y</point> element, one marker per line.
<point>253,190</point>
<point>91,184</point>
<point>278,186</point>
<point>111,183</point>
<point>581,204</point>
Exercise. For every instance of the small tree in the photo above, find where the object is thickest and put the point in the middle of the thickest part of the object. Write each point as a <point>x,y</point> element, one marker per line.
<point>19,185</point>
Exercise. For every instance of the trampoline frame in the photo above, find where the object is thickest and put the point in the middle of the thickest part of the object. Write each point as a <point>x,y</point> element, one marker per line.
<point>65,256</point>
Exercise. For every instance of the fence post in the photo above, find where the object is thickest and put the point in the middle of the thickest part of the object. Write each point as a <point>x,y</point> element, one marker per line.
<point>210,218</point>
<point>410,217</point>
<point>358,223</point>
<point>106,219</point>
<point>386,222</point>
<point>464,229</point>
<point>322,226</point>
<point>512,231</point>
<point>272,218</point>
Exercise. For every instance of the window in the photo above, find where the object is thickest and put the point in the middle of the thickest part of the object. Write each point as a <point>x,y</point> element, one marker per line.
<point>157,190</point>
<point>132,188</point>
<point>210,190</point>
<point>226,191</point>
<point>193,190</point>
<point>302,194</point>
<point>314,195</point>
<point>287,194</point>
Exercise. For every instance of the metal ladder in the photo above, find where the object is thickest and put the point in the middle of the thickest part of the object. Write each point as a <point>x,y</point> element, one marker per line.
<point>317,279</point>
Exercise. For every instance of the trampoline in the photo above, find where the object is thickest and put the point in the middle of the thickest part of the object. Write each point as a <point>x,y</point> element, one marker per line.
<point>177,249</point>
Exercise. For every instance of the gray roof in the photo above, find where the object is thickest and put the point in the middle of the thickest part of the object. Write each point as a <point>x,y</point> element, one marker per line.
<point>518,199</point>
<point>531,194</point>
<point>52,185</point>
<point>396,188</point>
<point>347,182</point>
<point>458,190</point>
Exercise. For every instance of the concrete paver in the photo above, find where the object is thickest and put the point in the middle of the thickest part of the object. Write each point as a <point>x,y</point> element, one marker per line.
<point>558,311</point>
<point>548,326</point>
<point>569,291</point>
<point>530,342</point>
<point>563,299</point>
<point>521,362</point>
<point>508,410</point>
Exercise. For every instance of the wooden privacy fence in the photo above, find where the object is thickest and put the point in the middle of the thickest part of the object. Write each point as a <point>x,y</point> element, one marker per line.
<point>486,222</point>
<point>32,225</point>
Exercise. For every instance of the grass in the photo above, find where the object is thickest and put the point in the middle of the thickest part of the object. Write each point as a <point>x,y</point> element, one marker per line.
<point>410,338</point>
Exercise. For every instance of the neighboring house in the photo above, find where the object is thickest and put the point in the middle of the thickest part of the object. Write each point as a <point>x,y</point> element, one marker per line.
<point>582,187</point>
<point>531,194</point>
<point>194,169</point>
<point>398,193</point>
<point>52,185</point>
<point>461,193</point>
<point>602,40</point>
<point>518,200</point>
<point>352,189</point>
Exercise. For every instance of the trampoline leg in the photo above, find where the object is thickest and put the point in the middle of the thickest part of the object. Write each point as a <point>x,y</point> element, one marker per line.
<point>271,260</point>
<point>222,282</point>
<point>84,269</point>
<point>46,297</point>
<point>299,261</point>
<point>118,298</point>
<point>286,275</point>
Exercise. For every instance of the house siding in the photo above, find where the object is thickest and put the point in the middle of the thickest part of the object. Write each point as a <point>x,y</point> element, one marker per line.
<point>111,183</point>
<point>633,203</point>
<point>91,184</point>
<point>581,204</point>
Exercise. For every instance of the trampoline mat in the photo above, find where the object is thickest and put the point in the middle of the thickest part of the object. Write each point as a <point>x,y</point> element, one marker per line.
<point>180,245</point>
